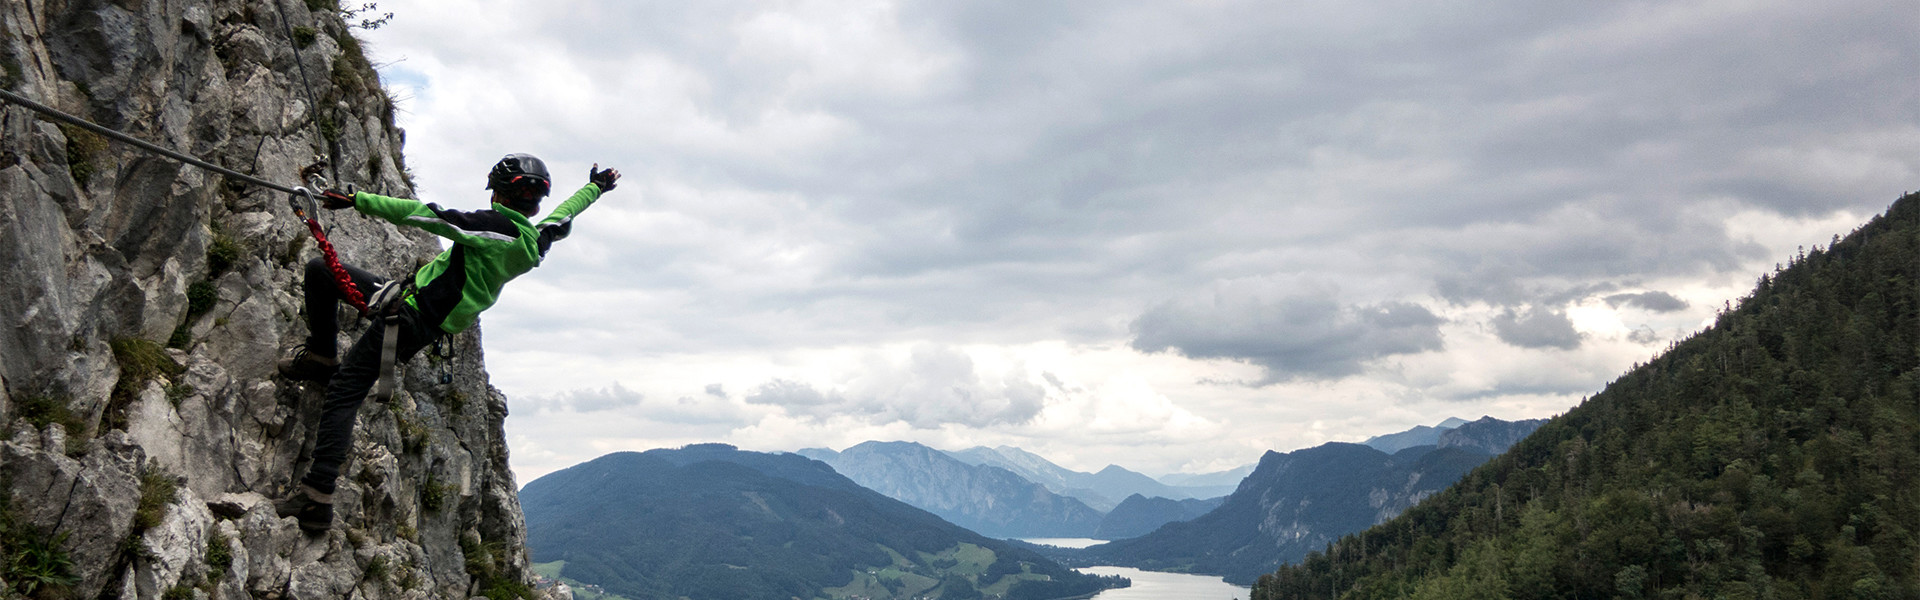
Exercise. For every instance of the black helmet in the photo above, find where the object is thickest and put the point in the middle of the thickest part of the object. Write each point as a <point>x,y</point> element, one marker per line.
<point>520,171</point>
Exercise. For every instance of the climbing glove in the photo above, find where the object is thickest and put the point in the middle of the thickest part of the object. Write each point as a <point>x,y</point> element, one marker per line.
<point>336,199</point>
<point>603,178</point>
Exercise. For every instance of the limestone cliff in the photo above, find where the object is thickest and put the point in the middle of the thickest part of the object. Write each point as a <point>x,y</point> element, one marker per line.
<point>144,303</point>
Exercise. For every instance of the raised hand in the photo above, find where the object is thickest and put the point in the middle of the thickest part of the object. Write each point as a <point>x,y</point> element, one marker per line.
<point>605,179</point>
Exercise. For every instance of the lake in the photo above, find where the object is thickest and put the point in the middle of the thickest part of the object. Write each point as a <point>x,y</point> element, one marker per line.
<point>1064,542</point>
<point>1151,585</point>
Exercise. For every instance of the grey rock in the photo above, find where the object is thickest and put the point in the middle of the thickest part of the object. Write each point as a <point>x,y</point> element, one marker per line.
<point>106,250</point>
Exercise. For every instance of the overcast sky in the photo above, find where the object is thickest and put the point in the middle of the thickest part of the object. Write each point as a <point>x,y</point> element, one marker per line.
<point>1165,235</point>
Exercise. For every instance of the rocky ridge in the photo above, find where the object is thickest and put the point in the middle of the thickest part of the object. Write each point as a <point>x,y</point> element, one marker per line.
<point>145,302</point>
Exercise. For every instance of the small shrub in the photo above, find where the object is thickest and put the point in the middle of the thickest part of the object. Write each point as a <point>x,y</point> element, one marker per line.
<point>182,336</point>
<point>42,411</point>
<point>304,36</point>
<point>85,152</point>
<point>434,494</point>
<point>219,557</point>
<point>320,5</point>
<point>141,360</point>
<point>346,76</point>
<point>410,581</point>
<point>222,254</point>
<point>376,569</point>
<point>177,392</point>
<point>39,567</point>
<point>200,298</point>
<point>158,489</point>
<point>328,129</point>
<point>486,562</point>
<point>413,432</point>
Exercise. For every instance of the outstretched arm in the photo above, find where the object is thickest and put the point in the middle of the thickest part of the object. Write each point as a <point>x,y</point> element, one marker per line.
<point>559,223</point>
<point>481,228</point>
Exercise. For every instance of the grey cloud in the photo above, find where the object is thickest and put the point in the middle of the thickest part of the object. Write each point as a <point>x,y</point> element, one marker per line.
<point>793,395</point>
<point>1070,162</point>
<point>1656,301</point>
<point>1537,328</point>
<point>936,386</point>
<point>595,400</point>
<point>629,403</point>
<point>1643,335</point>
<point>1292,337</point>
<point>1047,142</point>
<point>1563,256</point>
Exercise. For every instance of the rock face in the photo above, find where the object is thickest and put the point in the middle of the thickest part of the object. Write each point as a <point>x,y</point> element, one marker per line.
<point>144,304</point>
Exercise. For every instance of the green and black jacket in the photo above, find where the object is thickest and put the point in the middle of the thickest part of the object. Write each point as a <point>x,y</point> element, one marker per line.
<point>490,248</point>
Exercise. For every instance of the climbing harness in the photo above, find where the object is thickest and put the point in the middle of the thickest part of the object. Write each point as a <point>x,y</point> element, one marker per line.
<point>385,307</point>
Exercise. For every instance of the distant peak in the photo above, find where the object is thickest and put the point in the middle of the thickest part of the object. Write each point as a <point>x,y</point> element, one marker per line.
<point>1453,422</point>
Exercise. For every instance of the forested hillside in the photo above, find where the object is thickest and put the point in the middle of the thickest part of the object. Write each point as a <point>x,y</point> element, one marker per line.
<point>710,521</point>
<point>1773,455</point>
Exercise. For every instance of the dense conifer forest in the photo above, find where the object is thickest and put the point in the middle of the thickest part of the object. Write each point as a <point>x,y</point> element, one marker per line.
<point>1775,454</point>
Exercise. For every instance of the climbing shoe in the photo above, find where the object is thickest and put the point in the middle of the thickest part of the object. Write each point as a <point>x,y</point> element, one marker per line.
<point>312,508</point>
<point>307,366</point>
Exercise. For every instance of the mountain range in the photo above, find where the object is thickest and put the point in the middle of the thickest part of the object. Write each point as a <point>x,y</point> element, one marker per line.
<point>1292,504</point>
<point>993,491</point>
<point>1102,490</point>
<point>986,499</point>
<point>1418,436</point>
<point>711,521</point>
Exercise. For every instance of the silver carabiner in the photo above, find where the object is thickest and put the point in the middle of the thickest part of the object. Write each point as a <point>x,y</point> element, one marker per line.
<point>312,206</point>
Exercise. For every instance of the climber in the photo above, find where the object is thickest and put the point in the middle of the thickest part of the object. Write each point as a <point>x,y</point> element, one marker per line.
<point>490,247</point>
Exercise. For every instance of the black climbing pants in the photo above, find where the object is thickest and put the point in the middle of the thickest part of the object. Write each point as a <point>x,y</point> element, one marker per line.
<point>359,369</point>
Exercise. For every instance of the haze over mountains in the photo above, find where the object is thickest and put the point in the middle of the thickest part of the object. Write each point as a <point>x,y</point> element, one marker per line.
<point>989,500</point>
<point>1102,490</point>
<point>1011,493</point>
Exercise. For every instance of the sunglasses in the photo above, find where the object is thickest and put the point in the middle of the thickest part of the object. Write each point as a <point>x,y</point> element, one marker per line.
<point>529,187</point>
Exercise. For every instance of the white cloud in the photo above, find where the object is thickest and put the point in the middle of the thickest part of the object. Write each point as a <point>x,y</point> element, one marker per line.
<point>816,189</point>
